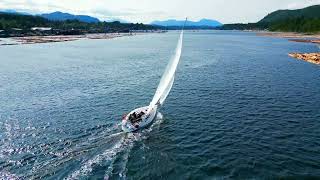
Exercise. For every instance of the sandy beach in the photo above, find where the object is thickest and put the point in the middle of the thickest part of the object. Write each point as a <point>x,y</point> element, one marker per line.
<point>288,35</point>
<point>292,36</point>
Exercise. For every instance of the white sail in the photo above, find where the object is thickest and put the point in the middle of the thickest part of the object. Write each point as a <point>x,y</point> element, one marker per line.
<point>130,124</point>
<point>167,79</point>
<point>166,92</point>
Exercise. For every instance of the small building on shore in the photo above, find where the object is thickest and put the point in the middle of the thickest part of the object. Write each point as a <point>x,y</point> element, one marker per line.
<point>41,29</point>
<point>2,33</point>
<point>15,32</point>
<point>16,29</point>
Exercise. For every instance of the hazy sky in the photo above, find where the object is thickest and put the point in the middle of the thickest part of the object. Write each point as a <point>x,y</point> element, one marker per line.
<point>225,11</point>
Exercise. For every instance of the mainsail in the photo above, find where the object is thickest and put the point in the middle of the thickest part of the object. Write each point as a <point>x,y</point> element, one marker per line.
<point>166,92</point>
<point>167,79</point>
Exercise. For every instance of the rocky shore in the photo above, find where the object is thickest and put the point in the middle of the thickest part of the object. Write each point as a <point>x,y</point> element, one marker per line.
<point>63,38</point>
<point>309,57</point>
<point>297,37</point>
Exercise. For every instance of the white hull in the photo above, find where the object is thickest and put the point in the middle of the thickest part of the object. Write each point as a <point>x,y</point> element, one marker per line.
<point>146,119</point>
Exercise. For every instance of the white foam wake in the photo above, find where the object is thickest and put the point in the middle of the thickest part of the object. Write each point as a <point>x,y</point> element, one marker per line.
<point>8,175</point>
<point>133,137</point>
<point>107,155</point>
<point>124,145</point>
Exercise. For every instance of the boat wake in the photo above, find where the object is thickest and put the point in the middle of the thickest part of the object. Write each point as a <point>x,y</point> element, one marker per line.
<point>114,160</point>
<point>84,158</point>
<point>73,151</point>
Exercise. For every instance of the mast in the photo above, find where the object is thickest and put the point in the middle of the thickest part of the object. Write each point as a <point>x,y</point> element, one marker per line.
<point>167,78</point>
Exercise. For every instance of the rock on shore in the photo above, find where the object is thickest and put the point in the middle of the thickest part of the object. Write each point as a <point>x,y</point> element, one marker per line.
<point>309,57</point>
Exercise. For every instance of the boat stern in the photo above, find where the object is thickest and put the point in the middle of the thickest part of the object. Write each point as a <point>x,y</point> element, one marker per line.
<point>130,124</point>
<point>126,126</point>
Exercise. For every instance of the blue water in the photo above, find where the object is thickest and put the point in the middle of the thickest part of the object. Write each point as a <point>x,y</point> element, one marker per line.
<point>239,108</point>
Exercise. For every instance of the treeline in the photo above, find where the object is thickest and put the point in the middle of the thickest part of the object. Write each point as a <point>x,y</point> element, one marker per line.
<point>8,21</point>
<point>301,24</point>
<point>297,25</point>
<point>305,20</point>
<point>15,24</point>
<point>188,27</point>
<point>249,26</point>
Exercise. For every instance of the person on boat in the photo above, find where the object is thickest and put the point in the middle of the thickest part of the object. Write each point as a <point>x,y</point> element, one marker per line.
<point>132,117</point>
<point>141,114</point>
<point>136,120</point>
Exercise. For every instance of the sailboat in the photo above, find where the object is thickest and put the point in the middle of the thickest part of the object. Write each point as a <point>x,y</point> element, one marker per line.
<point>144,116</point>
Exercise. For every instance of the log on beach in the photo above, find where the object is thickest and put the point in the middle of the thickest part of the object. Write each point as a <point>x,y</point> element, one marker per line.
<point>44,39</point>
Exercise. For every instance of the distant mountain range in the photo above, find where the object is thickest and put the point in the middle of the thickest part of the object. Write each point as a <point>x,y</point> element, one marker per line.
<point>60,16</point>
<point>12,11</point>
<point>201,23</point>
<point>15,24</point>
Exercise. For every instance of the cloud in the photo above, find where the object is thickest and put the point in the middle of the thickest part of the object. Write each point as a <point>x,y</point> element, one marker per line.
<point>30,6</point>
<point>99,9</point>
<point>227,11</point>
<point>302,4</point>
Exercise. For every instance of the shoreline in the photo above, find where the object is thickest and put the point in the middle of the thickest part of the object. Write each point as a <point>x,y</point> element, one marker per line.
<point>300,38</point>
<point>289,35</point>
<point>59,38</point>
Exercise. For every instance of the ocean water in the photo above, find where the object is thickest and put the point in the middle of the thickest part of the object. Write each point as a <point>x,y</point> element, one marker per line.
<point>239,108</point>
